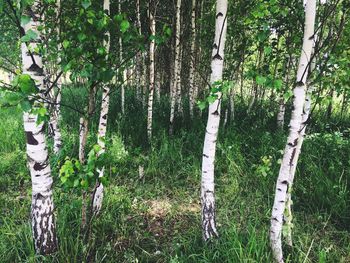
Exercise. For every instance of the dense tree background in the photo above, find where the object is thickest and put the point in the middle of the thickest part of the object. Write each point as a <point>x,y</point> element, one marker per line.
<point>151,210</point>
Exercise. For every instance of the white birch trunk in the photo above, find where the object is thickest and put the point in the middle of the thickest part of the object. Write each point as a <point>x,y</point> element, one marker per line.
<point>42,209</point>
<point>288,217</point>
<point>232,103</point>
<point>281,112</point>
<point>282,103</point>
<point>157,85</point>
<point>138,67</point>
<point>209,149</point>
<point>193,55</point>
<point>176,73</point>
<point>289,161</point>
<point>152,22</point>
<point>179,104</point>
<point>83,135</point>
<point>124,77</point>
<point>56,113</point>
<point>97,196</point>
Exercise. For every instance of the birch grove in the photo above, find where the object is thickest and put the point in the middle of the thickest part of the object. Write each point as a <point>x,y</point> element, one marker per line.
<point>130,134</point>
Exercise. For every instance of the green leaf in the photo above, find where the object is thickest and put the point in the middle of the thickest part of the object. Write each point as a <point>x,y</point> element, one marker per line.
<point>84,183</point>
<point>267,50</point>
<point>288,94</point>
<point>65,43</point>
<point>25,105</point>
<point>81,37</point>
<point>202,105</point>
<point>278,83</point>
<point>27,84</point>
<point>124,26</point>
<point>76,183</point>
<point>13,98</point>
<point>42,111</point>
<point>260,80</point>
<point>86,3</point>
<point>30,35</point>
<point>212,98</point>
<point>24,20</point>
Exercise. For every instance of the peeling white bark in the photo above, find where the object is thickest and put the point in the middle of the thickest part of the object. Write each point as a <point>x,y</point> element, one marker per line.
<point>152,22</point>
<point>282,103</point>
<point>288,217</point>
<point>56,98</point>
<point>42,209</point>
<point>211,134</point>
<point>177,73</point>
<point>289,161</point>
<point>232,104</point>
<point>193,50</point>
<point>102,128</point>
<point>138,66</point>
<point>124,76</point>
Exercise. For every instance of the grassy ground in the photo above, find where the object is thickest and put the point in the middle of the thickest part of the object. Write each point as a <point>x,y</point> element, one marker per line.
<point>157,218</point>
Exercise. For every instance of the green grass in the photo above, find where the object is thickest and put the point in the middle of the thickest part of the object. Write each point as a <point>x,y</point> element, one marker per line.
<point>157,219</point>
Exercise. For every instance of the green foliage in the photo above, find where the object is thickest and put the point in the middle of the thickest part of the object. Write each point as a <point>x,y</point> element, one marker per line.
<point>218,87</point>
<point>29,36</point>
<point>23,94</point>
<point>134,218</point>
<point>73,174</point>
<point>116,149</point>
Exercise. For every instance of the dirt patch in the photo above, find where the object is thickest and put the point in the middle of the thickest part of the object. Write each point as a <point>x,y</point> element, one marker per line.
<point>158,208</point>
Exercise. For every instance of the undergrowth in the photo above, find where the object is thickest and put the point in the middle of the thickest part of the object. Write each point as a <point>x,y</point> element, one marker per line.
<point>157,218</point>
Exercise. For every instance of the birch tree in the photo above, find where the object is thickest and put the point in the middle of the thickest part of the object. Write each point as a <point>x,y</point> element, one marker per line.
<point>282,103</point>
<point>176,73</point>
<point>289,161</point>
<point>56,98</point>
<point>124,77</point>
<point>42,209</point>
<point>152,22</point>
<point>193,50</point>
<point>102,126</point>
<point>212,128</point>
<point>139,59</point>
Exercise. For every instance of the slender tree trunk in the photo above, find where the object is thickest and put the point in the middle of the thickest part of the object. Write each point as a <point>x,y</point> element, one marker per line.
<point>97,196</point>
<point>255,85</point>
<point>179,104</point>
<point>209,149</point>
<point>289,161</point>
<point>176,73</point>
<point>344,104</point>
<point>282,103</point>
<point>42,209</point>
<point>242,80</point>
<point>124,77</point>
<point>192,59</point>
<point>138,67</point>
<point>55,113</point>
<point>232,104</point>
<point>83,134</point>
<point>330,104</point>
<point>305,118</point>
<point>138,55</point>
<point>157,85</point>
<point>152,22</point>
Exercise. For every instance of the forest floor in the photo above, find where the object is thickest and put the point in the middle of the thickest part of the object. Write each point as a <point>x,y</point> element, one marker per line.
<point>157,218</point>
